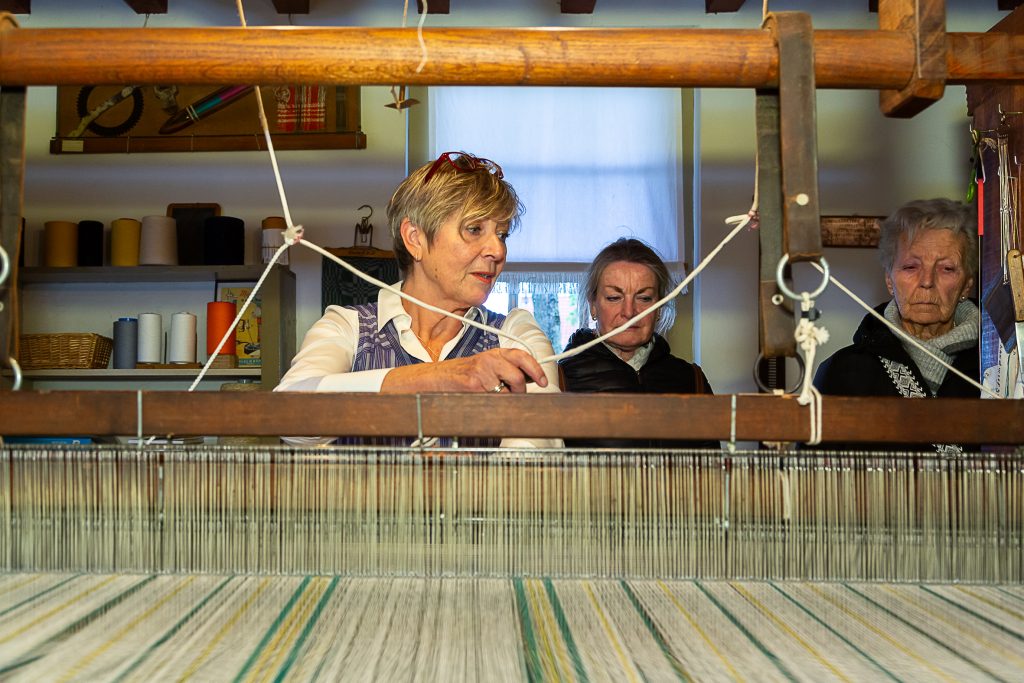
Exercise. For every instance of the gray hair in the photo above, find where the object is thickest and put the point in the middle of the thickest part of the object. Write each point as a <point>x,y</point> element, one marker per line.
<point>930,214</point>
<point>632,250</point>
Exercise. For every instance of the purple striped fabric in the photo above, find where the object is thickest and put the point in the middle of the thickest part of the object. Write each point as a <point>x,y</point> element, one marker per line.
<point>376,350</point>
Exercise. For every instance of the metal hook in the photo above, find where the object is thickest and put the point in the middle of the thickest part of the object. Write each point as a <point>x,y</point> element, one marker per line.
<point>1004,114</point>
<point>364,230</point>
<point>5,266</point>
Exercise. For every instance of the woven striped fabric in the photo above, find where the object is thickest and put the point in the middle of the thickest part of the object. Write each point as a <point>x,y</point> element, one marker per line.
<point>59,627</point>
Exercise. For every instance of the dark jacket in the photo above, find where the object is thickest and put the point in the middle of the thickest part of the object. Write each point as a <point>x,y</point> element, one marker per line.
<point>857,370</point>
<point>599,370</point>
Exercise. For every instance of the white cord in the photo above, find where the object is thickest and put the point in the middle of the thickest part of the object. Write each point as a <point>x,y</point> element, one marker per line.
<point>809,336</point>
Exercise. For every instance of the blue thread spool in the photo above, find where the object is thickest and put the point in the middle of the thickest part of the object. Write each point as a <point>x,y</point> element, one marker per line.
<point>126,343</point>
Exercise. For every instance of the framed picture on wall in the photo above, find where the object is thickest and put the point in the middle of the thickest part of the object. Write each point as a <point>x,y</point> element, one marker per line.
<point>171,118</point>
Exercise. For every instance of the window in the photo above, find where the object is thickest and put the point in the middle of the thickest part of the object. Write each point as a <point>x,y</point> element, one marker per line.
<point>590,165</point>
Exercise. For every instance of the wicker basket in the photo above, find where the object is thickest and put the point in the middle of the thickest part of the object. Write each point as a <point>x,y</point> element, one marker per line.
<point>64,350</point>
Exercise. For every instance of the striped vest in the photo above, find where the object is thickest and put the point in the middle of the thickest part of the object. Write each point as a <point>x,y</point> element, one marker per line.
<point>378,349</point>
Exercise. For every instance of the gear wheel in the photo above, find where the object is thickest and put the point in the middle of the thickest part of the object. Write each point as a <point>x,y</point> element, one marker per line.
<point>110,131</point>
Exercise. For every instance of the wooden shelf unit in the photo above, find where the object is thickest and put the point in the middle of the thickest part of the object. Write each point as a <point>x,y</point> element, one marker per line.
<point>277,334</point>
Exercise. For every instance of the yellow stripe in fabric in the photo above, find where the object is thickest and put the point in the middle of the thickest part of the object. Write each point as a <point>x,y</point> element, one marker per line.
<point>781,624</point>
<point>552,650</point>
<point>938,616</point>
<point>613,636</point>
<point>64,605</point>
<point>284,639</point>
<point>224,630</point>
<point>879,632</point>
<point>16,585</point>
<point>74,671</point>
<point>696,627</point>
<point>991,603</point>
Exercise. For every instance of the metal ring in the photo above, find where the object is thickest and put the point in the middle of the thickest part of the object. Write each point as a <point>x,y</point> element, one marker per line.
<point>17,374</point>
<point>498,389</point>
<point>5,265</point>
<point>769,390</point>
<point>780,281</point>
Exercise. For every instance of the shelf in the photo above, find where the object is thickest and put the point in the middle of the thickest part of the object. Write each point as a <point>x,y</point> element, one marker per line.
<point>120,274</point>
<point>138,375</point>
<point>278,306</point>
<point>252,142</point>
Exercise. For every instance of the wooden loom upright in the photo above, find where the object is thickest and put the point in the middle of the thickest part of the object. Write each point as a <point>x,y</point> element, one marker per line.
<point>909,59</point>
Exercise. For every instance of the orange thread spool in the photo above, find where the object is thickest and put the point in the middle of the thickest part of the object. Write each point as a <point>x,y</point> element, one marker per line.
<point>219,318</point>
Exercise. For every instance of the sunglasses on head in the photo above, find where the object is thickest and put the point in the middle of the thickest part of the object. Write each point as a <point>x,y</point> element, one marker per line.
<point>463,163</point>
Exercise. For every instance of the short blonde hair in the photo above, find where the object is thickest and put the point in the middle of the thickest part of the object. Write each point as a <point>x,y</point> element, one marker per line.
<point>464,187</point>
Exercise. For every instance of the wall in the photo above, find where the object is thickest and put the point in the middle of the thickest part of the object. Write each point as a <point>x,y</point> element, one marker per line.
<point>868,164</point>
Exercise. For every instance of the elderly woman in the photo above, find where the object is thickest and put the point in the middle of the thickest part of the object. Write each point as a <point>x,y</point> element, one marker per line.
<point>625,278</point>
<point>929,251</point>
<point>449,220</point>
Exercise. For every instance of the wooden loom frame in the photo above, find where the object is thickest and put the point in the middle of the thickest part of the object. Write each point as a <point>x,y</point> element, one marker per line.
<point>910,65</point>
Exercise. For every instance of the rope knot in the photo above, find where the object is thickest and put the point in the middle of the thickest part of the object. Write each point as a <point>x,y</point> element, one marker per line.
<point>293,234</point>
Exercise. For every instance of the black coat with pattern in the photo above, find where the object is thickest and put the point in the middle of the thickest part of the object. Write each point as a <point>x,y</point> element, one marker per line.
<point>857,370</point>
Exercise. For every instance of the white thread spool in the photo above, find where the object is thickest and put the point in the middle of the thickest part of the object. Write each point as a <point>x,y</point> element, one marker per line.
<point>182,345</point>
<point>158,242</point>
<point>151,338</point>
<point>273,237</point>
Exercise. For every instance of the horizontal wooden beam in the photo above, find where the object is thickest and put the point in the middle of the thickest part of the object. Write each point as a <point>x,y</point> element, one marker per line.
<point>501,56</point>
<point>851,231</point>
<point>756,417</point>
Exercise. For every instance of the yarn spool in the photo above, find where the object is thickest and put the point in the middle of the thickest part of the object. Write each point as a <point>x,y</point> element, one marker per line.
<point>61,244</point>
<point>220,318</point>
<point>158,242</point>
<point>126,343</point>
<point>90,243</point>
<point>224,241</point>
<point>273,237</point>
<point>124,242</point>
<point>181,347</point>
<point>151,338</point>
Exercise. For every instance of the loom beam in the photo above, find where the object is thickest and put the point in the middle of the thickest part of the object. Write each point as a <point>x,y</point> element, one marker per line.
<point>725,58</point>
<point>756,417</point>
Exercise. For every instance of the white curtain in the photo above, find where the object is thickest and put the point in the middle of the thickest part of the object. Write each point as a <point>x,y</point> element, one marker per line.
<point>590,164</point>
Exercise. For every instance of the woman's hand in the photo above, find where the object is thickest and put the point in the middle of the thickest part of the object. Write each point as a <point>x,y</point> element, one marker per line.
<point>484,372</point>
